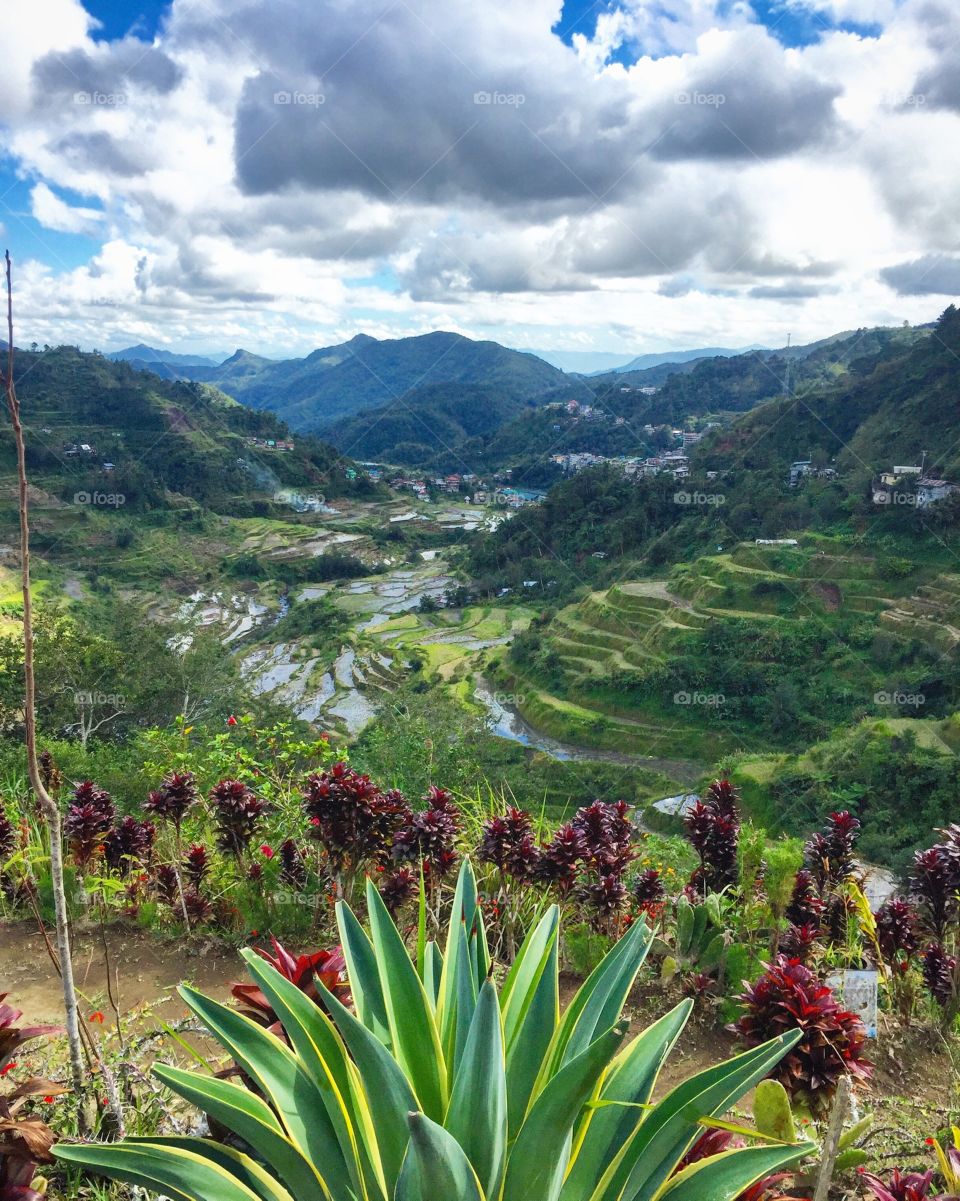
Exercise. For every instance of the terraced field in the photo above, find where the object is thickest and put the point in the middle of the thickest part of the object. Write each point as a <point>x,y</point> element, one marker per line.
<point>603,672</point>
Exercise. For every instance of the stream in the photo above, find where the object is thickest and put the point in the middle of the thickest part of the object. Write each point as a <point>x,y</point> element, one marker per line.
<point>506,722</point>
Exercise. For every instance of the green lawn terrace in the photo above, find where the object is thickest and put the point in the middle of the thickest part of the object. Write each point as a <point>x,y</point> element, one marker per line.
<point>588,684</point>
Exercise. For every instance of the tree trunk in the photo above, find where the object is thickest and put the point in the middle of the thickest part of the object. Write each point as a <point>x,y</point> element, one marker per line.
<point>48,807</point>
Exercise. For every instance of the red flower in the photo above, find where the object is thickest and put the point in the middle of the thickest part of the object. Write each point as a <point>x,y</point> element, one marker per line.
<point>324,737</point>
<point>266,851</point>
<point>96,1017</point>
<point>231,720</point>
<point>8,1067</point>
<point>254,933</point>
<point>48,1100</point>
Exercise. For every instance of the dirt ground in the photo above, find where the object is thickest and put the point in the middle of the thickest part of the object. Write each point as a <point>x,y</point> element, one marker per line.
<point>914,1089</point>
<point>146,971</point>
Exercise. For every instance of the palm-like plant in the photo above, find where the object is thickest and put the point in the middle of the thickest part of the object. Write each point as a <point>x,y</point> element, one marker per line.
<point>439,1088</point>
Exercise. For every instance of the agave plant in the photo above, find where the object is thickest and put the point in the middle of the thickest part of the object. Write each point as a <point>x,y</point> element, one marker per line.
<point>441,1088</point>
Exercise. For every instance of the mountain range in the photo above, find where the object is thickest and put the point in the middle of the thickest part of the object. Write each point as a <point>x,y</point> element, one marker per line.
<point>433,396</point>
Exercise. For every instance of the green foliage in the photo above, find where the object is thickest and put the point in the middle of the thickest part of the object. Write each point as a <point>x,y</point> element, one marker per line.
<point>166,440</point>
<point>441,1087</point>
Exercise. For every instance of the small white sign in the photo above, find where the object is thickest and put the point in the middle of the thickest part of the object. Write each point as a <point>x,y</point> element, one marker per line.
<point>857,991</point>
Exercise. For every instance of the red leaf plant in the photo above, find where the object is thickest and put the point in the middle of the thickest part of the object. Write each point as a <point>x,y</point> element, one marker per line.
<point>788,996</point>
<point>329,967</point>
<point>25,1142</point>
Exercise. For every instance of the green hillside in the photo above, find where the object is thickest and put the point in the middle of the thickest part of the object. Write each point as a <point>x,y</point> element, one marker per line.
<point>901,777</point>
<point>719,655</point>
<point>169,442</point>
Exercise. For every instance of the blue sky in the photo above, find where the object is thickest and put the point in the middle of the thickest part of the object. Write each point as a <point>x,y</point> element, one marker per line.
<point>120,17</point>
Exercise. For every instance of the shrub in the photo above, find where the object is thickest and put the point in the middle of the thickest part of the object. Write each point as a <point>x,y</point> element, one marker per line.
<point>713,827</point>
<point>788,996</point>
<point>174,799</point>
<point>89,817</point>
<point>130,844</point>
<point>237,812</point>
<point>441,1089</point>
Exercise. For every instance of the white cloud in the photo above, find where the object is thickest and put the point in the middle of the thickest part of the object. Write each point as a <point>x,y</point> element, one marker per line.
<point>721,188</point>
<point>54,213</point>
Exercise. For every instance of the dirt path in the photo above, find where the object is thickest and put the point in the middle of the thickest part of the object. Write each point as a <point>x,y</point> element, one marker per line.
<point>148,971</point>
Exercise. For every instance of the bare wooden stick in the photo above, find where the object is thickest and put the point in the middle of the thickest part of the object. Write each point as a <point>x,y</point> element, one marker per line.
<point>48,806</point>
<point>831,1143</point>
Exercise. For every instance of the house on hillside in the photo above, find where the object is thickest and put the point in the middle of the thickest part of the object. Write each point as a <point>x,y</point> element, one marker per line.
<point>799,470</point>
<point>929,491</point>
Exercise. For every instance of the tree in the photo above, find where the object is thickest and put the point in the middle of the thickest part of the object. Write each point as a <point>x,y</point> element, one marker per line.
<point>48,806</point>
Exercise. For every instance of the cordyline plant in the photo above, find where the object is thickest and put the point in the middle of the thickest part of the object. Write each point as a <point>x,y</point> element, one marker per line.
<point>310,973</point>
<point>353,821</point>
<point>89,818</point>
<point>171,802</point>
<point>129,845</point>
<point>832,1040</point>
<point>237,814</point>
<point>902,1186</point>
<point>25,1142</point>
<point>429,837</point>
<point>713,827</point>
<point>935,887</point>
<point>442,1088</point>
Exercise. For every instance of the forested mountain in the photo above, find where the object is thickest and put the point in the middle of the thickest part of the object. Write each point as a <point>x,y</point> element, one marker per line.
<point>151,354</point>
<point>98,425</point>
<point>863,403</point>
<point>337,382</point>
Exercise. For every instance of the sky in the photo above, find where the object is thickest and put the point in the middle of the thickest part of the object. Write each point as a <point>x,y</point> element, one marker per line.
<point>622,176</point>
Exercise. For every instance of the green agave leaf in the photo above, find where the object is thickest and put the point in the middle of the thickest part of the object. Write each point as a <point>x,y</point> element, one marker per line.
<point>857,1130</point>
<point>722,1177</point>
<point>243,1166</point>
<point>176,1173</point>
<point>624,1099</point>
<point>853,1157</point>
<point>645,1163</point>
<point>246,1115</point>
<point>288,1087</point>
<point>539,1157</point>
<point>599,1000</point>
<point>363,973</point>
<point>467,991</point>
<point>458,987</point>
<point>532,1013</point>
<point>422,927</point>
<point>525,973</point>
<point>433,971</point>
<point>386,1089</point>
<point>435,1168</point>
<point>477,1115</point>
<point>325,1060</point>
<point>413,1031</point>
